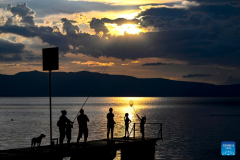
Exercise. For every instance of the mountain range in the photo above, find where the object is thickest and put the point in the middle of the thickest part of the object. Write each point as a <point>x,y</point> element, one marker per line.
<point>74,84</point>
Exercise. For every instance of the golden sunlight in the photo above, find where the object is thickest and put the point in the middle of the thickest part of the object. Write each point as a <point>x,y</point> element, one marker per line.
<point>125,28</point>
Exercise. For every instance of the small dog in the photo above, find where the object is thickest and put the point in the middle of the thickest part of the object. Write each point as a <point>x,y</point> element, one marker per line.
<point>37,140</point>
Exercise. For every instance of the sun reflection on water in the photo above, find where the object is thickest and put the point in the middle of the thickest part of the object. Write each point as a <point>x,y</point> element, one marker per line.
<point>124,107</point>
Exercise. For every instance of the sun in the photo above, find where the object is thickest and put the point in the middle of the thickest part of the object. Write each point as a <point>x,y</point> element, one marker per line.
<point>123,29</point>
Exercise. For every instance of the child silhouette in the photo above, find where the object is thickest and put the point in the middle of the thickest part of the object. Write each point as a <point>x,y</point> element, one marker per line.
<point>127,122</point>
<point>142,123</point>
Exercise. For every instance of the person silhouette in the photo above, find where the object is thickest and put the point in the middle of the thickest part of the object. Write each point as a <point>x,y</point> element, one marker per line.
<point>83,129</point>
<point>127,122</point>
<point>62,126</point>
<point>69,127</point>
<point>110,123</point>
<point>142,123</point>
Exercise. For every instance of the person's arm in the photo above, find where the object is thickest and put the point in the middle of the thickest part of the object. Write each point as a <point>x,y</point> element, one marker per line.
<point>87,118</point>
<point>69,120</point>
<point>66,119</point>
<point>113,119</point>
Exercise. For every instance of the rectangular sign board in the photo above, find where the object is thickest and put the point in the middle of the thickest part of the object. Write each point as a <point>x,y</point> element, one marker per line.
<point>50,58</point>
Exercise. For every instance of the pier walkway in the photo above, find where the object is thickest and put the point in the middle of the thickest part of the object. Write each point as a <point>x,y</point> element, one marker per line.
<point>132,148</point>
<point>97,149</point>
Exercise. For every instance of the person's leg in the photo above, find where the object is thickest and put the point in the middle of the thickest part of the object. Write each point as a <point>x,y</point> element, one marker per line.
<point>79,136</point>
<point>62,135</point>
<point>86,135</point>
<point>127,130</point>
<point>112,129</point>
<point>108,130</point>
<point>143,133</point>
<point>69,137</point>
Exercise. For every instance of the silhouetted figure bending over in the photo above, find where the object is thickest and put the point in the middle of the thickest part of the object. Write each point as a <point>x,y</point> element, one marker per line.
<point>142,123</point>
<point>63,120</point>
<point>69,127</point>
<point>127,122</point>
<point>110,123</point>
<point>83,129</point>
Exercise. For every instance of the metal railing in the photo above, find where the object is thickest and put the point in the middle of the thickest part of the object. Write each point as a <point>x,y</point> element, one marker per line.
<point>159,133</point>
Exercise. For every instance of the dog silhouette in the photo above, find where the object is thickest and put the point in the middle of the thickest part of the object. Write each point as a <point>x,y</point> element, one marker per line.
<point>37,140</point>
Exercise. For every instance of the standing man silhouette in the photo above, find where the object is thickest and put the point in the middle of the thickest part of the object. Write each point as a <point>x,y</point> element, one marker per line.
<point>63,120</point>
<point>83,129</point>
<point>110,123</point>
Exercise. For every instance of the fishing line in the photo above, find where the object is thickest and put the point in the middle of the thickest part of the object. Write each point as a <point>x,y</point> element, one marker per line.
<point>90,92</point>
<point>131,105</point>
<point>134,110</point>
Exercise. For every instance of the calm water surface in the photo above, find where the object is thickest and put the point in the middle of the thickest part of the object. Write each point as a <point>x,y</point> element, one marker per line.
<point>193,128</point>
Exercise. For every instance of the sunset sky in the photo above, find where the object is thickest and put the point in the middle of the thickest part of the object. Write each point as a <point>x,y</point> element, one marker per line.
<point>179,40</point>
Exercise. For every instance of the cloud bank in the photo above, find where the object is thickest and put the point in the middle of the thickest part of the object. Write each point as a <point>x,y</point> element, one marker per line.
<point>196,75</point>
<point>195,33</point>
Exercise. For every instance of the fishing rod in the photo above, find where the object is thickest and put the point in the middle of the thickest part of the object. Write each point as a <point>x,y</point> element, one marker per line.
<point>90,92</point>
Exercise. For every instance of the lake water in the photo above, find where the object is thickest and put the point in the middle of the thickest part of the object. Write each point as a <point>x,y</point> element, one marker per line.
<point>193,128</point>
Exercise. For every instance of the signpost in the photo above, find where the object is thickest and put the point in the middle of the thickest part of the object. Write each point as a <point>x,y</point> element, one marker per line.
<point>50,62</point>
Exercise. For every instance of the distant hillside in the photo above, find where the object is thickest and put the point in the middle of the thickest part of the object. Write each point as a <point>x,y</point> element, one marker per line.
<point>27,84</point>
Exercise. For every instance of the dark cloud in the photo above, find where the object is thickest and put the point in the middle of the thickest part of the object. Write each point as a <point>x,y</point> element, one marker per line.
<point>70,29</point>
<point>11,51</point>
<point>44,33</point>
<point>7,47</point>
<point>14,57</point>
<point>98,26</point>
<point>204,33</point>
<point>157,64</point>
<point>232,80</point>
<point>81,42</point>
<point>196,75</point>
<point>215,1</point>
<point>196,63</point>
<point>27,15</point>
<point>64,20</point>
<point>120,21</point>
<point>171,13</point>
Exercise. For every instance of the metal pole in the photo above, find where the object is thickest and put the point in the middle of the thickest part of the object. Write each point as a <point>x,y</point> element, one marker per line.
<point>134,131</point>
<point>50,96</point>
<point>161,130</point>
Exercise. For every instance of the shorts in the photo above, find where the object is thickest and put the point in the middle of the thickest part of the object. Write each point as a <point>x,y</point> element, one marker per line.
<point>83,131</point>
